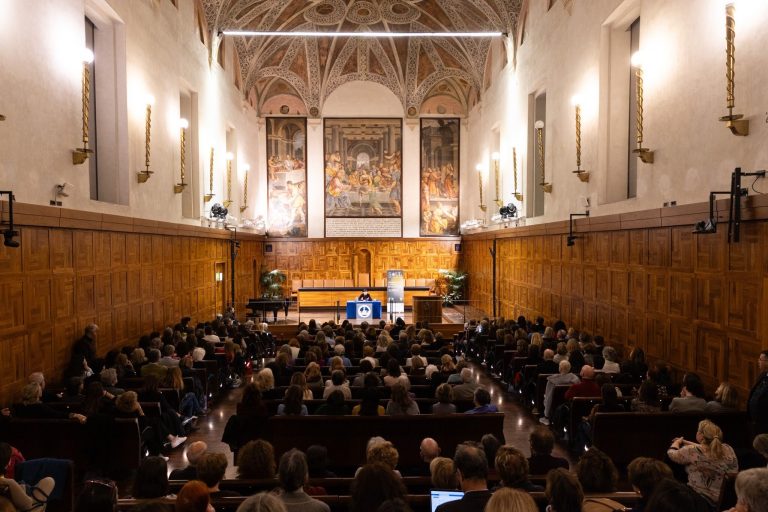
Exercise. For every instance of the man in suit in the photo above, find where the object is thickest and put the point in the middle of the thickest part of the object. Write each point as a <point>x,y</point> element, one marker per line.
<point>757,404</point>
<point>194,452</point>
<point>364,296</point>
<point>471,475</point>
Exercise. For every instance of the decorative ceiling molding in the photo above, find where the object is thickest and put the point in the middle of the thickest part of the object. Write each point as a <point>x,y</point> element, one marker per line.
<point>312,68</point>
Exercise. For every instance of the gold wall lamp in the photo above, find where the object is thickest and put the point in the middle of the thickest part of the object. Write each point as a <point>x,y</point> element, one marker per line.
<point>207,197</point>
<point>244,206</point>
<point>734,122</point>
<point>183,125</point>
<point>80,155</point>
<point>539,126</point>
<point>518,195</point>
<point>579,172</point>
<point>645,154</point>
<point>228,202</point>
<point>479,168</point>
<point>495,159</point>
<point>146,173</point>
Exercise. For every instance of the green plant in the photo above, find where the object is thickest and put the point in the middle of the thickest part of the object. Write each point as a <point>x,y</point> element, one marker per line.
<point>272,282</point>
<point>451,285</point>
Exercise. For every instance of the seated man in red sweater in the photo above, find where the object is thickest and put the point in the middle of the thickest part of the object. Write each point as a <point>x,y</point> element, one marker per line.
<point>587,387</point>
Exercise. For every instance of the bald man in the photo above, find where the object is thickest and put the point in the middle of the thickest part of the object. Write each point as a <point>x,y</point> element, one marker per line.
<point>428,450</point>
<point>194,452</point>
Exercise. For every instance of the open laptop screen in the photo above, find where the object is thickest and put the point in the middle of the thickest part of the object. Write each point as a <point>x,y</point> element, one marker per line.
<point>439,497</point>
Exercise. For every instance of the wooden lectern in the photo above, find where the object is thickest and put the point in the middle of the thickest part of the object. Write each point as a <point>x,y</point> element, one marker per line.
<point>428,308</point>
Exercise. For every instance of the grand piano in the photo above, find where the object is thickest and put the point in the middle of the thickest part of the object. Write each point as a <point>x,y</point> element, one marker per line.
<point>261,306</point>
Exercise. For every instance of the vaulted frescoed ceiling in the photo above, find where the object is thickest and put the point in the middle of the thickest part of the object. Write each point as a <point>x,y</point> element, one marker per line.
<point>416,70</point>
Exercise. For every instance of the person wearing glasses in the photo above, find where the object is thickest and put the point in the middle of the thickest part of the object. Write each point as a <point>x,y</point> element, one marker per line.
<point>757,404</point>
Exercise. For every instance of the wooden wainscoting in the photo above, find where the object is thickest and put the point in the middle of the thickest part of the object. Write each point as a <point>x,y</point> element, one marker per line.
<point>126,276</point>
<point>335,259</point>
<point>693,300</point>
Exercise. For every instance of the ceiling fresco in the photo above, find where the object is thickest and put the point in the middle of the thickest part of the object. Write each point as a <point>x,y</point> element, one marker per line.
<point>414,69</point>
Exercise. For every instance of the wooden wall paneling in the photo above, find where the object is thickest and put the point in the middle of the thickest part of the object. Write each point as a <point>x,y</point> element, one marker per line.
<point>40,351</point>
<point>743,354</point>
<point>710,354</point>
<point>658,292</point>
<point>61,250</point>
<point>85,293</point>
<point>565,279</point>
<point>636,293</point>
<point>602,319</point>
<point>619,287</point>
<point>602,284</point>
<point>681,294</point>
<point>682,343</point>
<point>747,255</point>
<point>557,276</point>
<point>36,250</point>
<point>102,245</point>
<point>37,300</point>
<point>657,336</point>
<point>710,298</point>
<point>636,329</point>
<point>63,296</point>
<point>103,291</point>
<point>744,296</point>
<point>710,252</point>
<point>618,330</point>
<point>577,281</point>
<point>590,283</point>
<point>619,248</point>
<point>638,247</point>
<point>682,249</point>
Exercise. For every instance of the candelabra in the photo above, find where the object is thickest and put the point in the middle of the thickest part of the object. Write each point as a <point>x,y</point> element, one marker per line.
<point>245,189</point>
<point>734,122</point>
<point>146,173</point>
<point>207,197</point>
<point>581,173</point>
<point>539,126</point>
<point>228,202</point>
<point>80,155</point>
<point>183,125</point>
<point>645,154</point>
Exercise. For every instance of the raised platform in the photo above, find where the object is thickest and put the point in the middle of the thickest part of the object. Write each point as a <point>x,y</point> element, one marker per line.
<point>327,297</point>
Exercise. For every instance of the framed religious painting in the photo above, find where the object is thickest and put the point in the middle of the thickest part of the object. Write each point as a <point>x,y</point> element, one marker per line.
<point>439,178</point>
<point>363,177</point>
<point>287,176</point>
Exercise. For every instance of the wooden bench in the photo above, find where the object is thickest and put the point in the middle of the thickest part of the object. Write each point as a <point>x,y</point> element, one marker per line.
<point>425,404</point>
<point>346,437</point>
<point>341,503</point>
<point>624,436</point>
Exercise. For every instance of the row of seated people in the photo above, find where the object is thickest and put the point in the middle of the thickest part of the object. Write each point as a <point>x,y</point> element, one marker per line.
<point>490,477</point>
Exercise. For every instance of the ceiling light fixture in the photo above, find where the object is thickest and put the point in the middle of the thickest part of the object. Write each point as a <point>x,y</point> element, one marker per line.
<point>252,33</point>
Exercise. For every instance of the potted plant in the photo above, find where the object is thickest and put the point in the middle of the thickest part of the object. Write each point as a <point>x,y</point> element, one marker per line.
<point>450,286</point>
<point>272,282</point>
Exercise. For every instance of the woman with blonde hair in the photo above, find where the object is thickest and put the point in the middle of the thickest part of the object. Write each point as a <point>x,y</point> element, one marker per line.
<point>507,499</point>
<point>726,399</point>
<point>314,378</point>
<point>706,461</point>
<point>265,382</point>
<point>536,339</point>
<point>443,474</point>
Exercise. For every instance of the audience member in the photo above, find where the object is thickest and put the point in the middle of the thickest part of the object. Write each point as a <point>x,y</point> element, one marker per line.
<point>752,491</point>
<point>262,502</point>
<point>610,365</point>
<point>293,474</point>
<point>564,376</point>
<point>444,396</point>
<point>508,499</point>
<point>471,475</point>
<point>757,403</point>
<point>647,399</point>
<point>256,460</point>
<point>706,461</point>
<point>318,462</point>
<point>373,485</point>
<point>491,445</point>
<point>193,454</point>
<point>644,473</point>
<point>541,461</point>
<point>151,480</point>
<point>334,405</point>
<point>96,496</point>
<point>597,474</point>
<point>293,404</point>
<point>465,390</point>
<point>194,497</point>
<point>672,496</point>
<point>587,387</point>
<point>482,401</point>
<point>563,492</point>
<point>33,499</point>
<point>726,399</point>
<point>401,402</point>
<point>442,473</point>
<point>211,468</point>
<point>691,397</point>
<point>512,468</point>
<point>760,444</point>
<point>338,381</point>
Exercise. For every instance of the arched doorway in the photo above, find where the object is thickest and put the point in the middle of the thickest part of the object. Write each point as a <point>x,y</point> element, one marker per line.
<point>363,267</point>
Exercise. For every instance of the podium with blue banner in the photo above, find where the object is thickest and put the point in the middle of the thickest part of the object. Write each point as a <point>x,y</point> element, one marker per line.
<point>363,309</point>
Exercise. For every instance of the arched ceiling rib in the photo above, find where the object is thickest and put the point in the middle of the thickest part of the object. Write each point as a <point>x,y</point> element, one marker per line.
<point>410,68</point>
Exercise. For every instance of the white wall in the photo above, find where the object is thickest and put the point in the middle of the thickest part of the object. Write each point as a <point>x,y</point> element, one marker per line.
<point>684,47</point>
<point>40,47</point>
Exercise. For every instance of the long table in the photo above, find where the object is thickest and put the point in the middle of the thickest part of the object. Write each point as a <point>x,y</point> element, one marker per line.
<point>327,297</point>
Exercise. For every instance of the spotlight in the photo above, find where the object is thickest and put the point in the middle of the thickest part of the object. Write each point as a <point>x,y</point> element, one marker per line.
<point>705,226</point>
<point>570,241</point>
<point>8,238</point>
<point>218,212</point>
<point>508,212</point>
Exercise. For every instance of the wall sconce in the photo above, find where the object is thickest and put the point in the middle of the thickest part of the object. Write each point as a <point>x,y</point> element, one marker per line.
<point>228,202</point>
<point>10,233</point>
<point>518,195</point>
<point>539,125</point>
<point>80,155</point>
<point>146,173</point>
<point>645,154</point>
<point>479,168</point>
<point>571,237</point>
<point>207,197</point>
<point>183,125</point>
<point>245,188</point>
<point>734,122</point>
<point>60,190</point>
<point>497,178</point>
<point>581,173</point>
<point>219,277</point>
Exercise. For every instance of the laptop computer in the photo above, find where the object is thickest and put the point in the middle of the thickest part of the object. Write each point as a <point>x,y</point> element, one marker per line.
<point>438,497</point>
